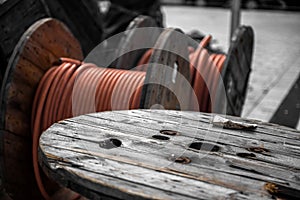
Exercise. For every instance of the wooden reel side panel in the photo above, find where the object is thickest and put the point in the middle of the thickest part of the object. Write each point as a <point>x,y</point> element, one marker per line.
<point>15,17</point>
<point>133,38</point>
<point>168,70</point>
<point>40,46</point>
<point>237,69</point>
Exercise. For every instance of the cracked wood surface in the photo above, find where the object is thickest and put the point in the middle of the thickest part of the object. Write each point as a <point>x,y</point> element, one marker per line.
<point>124,155</point>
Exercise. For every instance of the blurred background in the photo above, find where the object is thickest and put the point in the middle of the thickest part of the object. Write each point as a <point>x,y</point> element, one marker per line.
<point>248,4</point>
<point>273,93</point>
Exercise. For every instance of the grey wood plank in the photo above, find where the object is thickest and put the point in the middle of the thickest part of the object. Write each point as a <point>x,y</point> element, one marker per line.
<point>137,148</point>
<point>264,128</point>
<point>280,153</point>
<point>79,151</point>
<point>85,163</point>
<point>154,180</point>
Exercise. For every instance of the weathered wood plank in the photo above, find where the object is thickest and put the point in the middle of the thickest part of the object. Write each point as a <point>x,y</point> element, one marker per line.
<point>232,146</point>
<point>85,162</point>
<point>162,150</point>
<point>199,128</point>
<point>193,119</point>
<point>79,150</point>
<point>144,176</point>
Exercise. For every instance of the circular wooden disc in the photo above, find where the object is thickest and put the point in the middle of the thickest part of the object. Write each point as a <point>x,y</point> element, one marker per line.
<point>237,69</point>
<point>40,46</point>
<point>132,37</point>
<point>123,160</point>
<point>167,81</point>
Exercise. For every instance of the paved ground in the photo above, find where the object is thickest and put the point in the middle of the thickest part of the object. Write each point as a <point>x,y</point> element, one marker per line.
<point>276,61</point>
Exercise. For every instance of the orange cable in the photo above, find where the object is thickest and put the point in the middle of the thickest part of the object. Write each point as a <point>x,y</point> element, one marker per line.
<point>54,96</point>
<point>144,60</point>
<point>53,99</point>
<point>205,67</point>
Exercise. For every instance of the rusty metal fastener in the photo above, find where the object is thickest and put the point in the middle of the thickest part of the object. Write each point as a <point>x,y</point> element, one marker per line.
<point>258,149</point>
<point>169,132</point>
<point>183,160</point>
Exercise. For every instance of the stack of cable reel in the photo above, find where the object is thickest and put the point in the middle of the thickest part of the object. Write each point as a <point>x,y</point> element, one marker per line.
<point>46,81</point>
<point>205,66</point>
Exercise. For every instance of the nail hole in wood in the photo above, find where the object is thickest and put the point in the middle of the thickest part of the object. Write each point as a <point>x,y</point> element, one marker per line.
<point>183,160</point>
<point>160,137</point>
<point>169,132</point>
<point>246,155</point>
<point>110,143</point>
<point>204,146</point>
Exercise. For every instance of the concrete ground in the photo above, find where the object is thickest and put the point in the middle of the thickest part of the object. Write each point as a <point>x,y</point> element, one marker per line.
<point>276,60</point>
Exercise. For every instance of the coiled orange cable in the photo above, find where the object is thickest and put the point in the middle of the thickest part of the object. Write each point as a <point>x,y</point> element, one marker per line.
<point>72,88</point>
<point>219,60</point>
<point>142,64</point>
<point>209,66</point>
<point>53,99</point>
<point>201,65</point>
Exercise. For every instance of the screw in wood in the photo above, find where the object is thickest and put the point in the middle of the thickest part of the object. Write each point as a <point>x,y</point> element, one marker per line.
<point>169,132</point>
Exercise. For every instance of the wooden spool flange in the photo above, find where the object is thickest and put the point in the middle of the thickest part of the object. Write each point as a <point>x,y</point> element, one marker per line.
<point>236,70</point>
<point>82,17</point>
<point>40,46</point>
<point>165,86</point>
<point>133,38</point>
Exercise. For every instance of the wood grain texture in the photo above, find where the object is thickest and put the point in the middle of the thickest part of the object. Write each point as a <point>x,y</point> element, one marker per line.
<point>16,16</point>
<point>123,154</point>
<point>167,83</point>
<point>42,44</point>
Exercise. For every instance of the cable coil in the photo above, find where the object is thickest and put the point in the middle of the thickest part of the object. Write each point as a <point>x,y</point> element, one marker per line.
<point>53,99</point>
<point>72,84</point>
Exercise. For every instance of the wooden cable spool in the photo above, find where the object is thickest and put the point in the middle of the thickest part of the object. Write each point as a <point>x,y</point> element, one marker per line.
<point>84,21</point>
<point>42,44</point>
<point>36,52</point>
<point>234,74</point>
<point>222,157</point>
